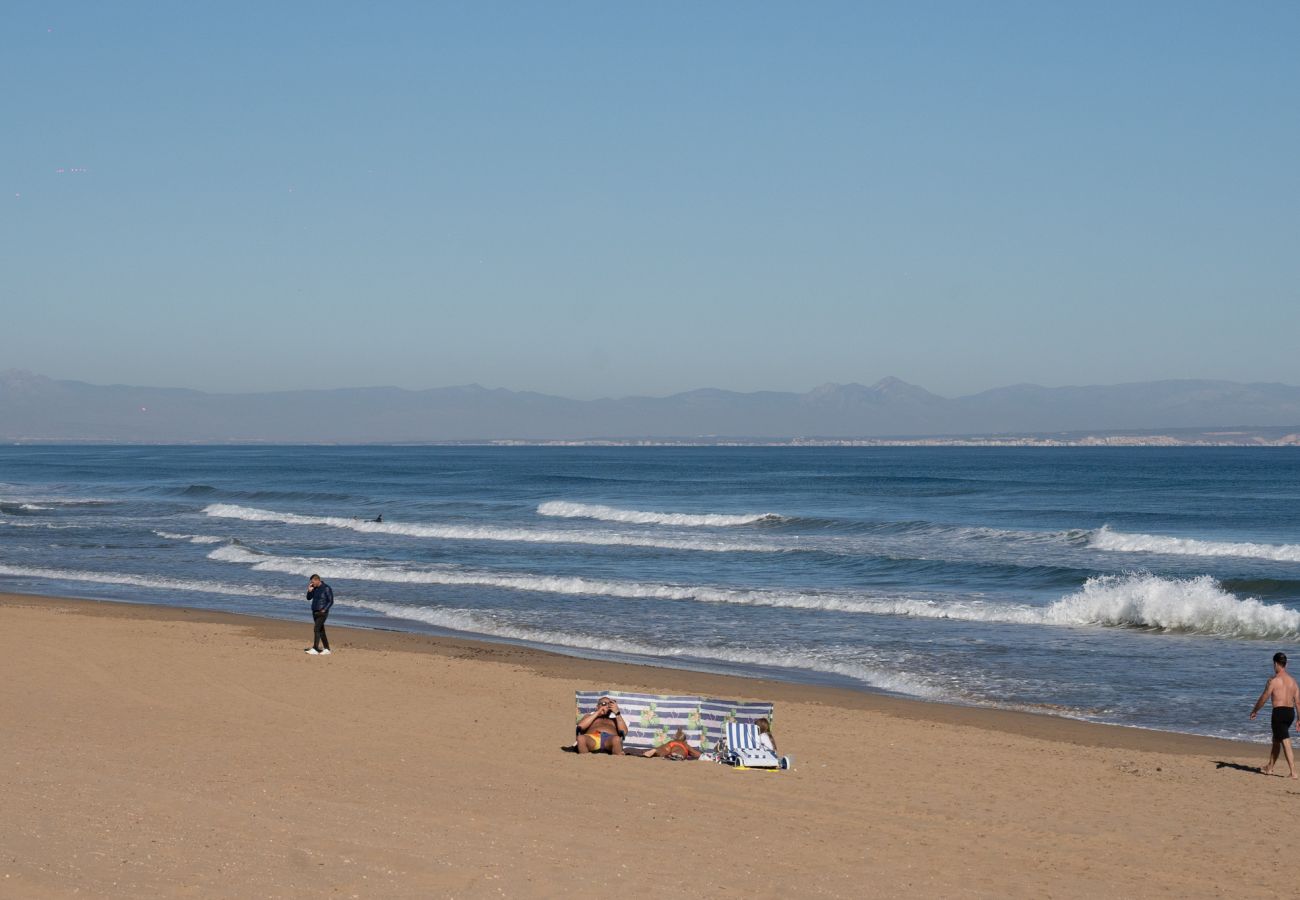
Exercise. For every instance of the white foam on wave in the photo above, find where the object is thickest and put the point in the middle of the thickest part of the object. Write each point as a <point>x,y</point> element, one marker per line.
<point>1196,605</point>
<point>192,538</point>
<point>1191,605</point>
<point>574,585</point>
<point>50,502</point>
<point>567,510</point>
<point>1105,539</point>
<point>49,526</point>
<point>143,581</point>
<point>488,624</point>
<point>486,532</point>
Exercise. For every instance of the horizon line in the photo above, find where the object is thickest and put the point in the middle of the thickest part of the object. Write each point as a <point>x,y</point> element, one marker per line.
<point>884,382</point>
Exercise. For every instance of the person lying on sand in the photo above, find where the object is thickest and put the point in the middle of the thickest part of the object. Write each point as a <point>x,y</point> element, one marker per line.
<point>677,748</point>
<point>602,731</point>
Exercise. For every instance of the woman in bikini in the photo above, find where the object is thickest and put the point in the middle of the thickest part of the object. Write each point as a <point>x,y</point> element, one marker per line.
<point>677,748</point>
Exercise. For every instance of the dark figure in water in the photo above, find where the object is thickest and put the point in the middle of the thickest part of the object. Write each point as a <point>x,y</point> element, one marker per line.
<point>379,518</point>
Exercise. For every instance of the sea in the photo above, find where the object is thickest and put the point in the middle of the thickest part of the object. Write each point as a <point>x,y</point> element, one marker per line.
<point>1145,587</point>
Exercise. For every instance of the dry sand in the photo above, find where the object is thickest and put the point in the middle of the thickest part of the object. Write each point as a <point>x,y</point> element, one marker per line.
<point>150,751</point>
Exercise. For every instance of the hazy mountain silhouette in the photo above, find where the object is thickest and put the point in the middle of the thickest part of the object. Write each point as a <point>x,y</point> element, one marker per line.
<point>33,407</point>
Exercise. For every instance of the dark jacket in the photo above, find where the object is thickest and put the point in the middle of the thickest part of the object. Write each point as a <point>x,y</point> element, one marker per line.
<point>322,598</point>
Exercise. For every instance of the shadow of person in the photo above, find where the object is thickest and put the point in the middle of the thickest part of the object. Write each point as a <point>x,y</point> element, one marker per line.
<point>1254,770</point>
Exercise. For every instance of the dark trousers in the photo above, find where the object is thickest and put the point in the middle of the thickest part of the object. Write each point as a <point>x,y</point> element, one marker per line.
<point>319,640</point>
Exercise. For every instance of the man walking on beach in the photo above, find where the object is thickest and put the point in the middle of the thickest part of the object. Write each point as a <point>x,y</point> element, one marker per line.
<point>1285,694</point>
<point>321,596</point>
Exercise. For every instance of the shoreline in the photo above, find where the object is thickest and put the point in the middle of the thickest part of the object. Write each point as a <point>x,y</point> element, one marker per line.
<point>670,679</point>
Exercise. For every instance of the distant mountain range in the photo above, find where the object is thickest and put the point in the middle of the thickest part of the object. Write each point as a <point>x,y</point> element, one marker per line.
<point>36,408</point>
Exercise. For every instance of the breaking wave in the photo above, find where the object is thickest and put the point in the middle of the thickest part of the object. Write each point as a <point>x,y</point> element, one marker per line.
<point>565,509</point>
<point>575,586</point>
<point>1184,605</point>
<point>47,503</point>
<point>22,509</point>
<point>1105,539</point>
<point>1189,605</point>
<point>486,532</point>
<point>192,538</point>
<point>49,526</point>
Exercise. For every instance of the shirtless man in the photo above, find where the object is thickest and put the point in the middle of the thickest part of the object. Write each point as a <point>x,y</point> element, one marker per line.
<point>1285,694</point>
<point>602,730</point>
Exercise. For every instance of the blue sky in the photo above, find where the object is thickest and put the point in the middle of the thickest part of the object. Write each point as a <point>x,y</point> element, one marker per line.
<point>604,199</point>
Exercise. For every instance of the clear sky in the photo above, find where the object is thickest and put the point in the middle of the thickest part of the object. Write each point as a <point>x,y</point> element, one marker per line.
<point>604,198</point>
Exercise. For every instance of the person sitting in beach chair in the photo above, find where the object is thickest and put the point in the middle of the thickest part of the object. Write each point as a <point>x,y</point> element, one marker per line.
<point>677,748</point>
<point>752,746</point>
<point>603,730</point>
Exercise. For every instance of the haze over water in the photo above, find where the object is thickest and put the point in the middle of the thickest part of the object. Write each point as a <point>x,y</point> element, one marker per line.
<point>1142,587</point>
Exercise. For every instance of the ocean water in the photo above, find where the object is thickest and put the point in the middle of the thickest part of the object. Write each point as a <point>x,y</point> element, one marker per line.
<point>1145,587</point>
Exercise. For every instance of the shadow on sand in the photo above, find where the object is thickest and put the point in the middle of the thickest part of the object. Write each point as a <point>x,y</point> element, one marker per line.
<point>1254,770</point>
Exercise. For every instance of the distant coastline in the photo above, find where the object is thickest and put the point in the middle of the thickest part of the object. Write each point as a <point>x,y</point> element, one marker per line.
<point>1235,438</point>
<point>891,412</point>
<point>1290,439</point>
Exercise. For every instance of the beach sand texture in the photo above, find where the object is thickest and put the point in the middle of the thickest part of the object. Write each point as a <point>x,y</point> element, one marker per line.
<point>151,751</point>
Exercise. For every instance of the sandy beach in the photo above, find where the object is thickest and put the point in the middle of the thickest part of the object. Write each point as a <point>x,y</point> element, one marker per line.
<point>151,751</point>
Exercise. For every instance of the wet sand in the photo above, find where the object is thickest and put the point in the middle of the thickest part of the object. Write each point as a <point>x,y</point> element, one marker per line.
<point>153,751</point>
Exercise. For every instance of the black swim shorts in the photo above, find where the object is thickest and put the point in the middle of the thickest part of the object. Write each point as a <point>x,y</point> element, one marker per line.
<point>1282,721</point>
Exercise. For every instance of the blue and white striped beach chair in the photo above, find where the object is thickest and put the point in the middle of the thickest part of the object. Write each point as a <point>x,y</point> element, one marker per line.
<point>744,748</point>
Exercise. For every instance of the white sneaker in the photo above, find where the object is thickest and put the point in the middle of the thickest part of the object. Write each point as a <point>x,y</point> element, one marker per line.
<point>325,652</point>
<point>312,651</point>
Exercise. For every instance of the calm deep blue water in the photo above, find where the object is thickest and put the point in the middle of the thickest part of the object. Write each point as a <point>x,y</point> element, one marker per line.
<point>1144,586</point>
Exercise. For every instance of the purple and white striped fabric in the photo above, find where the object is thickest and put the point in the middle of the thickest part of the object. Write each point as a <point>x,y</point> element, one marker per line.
<point>652,719</point>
